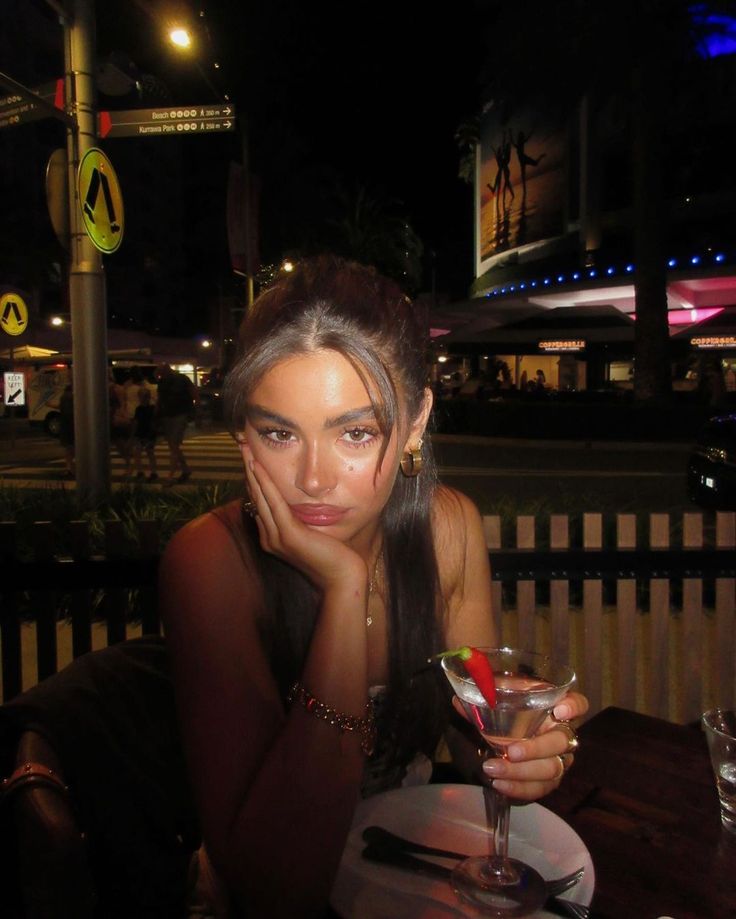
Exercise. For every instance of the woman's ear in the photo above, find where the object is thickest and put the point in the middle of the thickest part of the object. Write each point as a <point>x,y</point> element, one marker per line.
<point>420,422</point>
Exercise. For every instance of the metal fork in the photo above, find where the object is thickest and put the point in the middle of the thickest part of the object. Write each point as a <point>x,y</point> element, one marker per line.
<point>577,910</point>
<point>559,885</point>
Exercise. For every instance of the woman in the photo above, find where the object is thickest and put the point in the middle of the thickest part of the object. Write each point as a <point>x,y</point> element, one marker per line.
<point>349,575</point>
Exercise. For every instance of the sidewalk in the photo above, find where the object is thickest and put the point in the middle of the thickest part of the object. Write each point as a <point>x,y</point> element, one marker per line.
<point>633,446</point>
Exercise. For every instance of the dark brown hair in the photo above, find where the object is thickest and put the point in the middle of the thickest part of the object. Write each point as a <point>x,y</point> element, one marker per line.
<point>330,304</point>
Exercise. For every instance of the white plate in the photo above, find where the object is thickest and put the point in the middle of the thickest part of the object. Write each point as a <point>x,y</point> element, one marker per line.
<point>451,817</point>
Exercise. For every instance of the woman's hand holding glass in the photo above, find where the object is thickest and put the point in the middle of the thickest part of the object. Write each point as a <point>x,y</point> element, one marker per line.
<point>533,768</point>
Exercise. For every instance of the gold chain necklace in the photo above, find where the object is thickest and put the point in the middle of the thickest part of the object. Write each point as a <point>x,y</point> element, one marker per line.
<point>373,584</point>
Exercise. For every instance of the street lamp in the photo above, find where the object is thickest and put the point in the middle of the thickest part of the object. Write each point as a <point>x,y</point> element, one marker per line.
<point>181,38</point>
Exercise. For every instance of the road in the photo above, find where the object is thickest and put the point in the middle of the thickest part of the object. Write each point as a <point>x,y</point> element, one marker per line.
<point>529,476</point>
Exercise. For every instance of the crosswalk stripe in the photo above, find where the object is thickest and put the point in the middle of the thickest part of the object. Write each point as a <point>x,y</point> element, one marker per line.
<point>215,458</point>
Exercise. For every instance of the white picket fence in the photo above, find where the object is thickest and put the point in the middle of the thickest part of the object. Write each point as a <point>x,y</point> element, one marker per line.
<point>648,624</point>
<point>672,656</point>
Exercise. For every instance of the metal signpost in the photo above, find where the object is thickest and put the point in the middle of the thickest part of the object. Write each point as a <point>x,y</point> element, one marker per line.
<point>92,194</point>
<point>76,109</point>
<point>87,294</point>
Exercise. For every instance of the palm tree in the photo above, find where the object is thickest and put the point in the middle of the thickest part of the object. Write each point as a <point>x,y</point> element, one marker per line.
<point>371,228</point>
<point>552,56</point>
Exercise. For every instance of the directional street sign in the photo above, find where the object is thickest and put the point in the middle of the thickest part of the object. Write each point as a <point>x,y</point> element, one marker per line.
<point>14,388</point>
<point>13,314</point>
<point>101,200</point>
<point>167,122</point>
<point>17,108</point>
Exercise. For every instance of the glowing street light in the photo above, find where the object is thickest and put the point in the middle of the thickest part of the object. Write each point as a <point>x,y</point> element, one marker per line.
<point>288,265</point>
<point>181,38</point>
<point>57,321</point>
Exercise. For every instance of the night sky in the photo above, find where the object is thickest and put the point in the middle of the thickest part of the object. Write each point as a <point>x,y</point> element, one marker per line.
<point>366,94</point>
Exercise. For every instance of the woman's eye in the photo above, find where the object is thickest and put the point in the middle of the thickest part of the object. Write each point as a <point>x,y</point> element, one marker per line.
<point>358,436</point>
<point>277,437</point>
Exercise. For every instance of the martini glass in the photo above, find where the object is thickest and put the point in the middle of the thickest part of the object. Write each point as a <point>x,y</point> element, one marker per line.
<point>528,686</point>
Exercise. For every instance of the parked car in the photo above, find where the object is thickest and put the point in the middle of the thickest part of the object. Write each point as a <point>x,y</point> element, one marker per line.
<point>711,471</point>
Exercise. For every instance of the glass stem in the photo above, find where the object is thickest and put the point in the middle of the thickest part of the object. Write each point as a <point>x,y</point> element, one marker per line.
<point>497,814</point>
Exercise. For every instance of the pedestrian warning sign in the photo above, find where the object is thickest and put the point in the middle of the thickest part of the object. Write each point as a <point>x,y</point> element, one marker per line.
<point>100,200</point>
<point>13,314</point>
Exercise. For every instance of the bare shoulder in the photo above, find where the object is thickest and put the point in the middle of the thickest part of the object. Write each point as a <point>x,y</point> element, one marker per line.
<point>465,574</point>
<point>207,565</point>
<point>218,525</point>
<point>453,516</point>
<point>458,534</point>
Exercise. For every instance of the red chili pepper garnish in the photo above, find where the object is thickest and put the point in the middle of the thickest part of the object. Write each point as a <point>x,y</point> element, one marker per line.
<point>479,668</point>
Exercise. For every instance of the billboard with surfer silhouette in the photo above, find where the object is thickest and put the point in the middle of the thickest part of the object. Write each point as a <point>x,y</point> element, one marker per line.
<point>521,180</point>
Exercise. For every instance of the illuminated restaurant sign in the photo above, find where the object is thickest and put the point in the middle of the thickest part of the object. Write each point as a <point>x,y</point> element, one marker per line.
<point>714,341</point>
<point>564,344</point>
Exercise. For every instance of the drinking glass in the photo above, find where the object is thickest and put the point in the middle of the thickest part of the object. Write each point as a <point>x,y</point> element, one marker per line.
<point>720,731</point>
<point>528,686</point>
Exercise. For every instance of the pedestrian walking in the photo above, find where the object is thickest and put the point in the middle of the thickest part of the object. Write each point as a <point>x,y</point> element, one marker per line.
<point>144,435</point>
<point>177,398</point>
<point>120,421</point>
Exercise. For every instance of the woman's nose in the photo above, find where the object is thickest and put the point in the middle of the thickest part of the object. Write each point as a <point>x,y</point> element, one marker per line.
<point>317,473</point>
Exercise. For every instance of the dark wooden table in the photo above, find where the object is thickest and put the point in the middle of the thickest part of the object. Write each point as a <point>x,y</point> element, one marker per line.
<point>642,797</point>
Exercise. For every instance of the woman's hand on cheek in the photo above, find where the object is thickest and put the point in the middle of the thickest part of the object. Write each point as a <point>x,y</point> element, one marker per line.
<point>323,559</point>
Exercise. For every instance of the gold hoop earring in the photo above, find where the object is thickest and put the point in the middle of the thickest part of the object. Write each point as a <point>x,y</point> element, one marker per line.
<point>411,461</point>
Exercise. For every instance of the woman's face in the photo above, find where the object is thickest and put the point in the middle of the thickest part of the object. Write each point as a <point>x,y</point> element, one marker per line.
<point>311,426</point>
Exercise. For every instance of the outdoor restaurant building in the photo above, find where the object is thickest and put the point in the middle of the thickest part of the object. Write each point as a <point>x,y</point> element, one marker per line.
<point>555,251</point>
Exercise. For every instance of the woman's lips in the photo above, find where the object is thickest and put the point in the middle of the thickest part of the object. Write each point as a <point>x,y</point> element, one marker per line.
<point>320,515</point>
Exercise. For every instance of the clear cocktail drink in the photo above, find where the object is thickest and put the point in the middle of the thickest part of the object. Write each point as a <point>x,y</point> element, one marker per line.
<point>528,686</point>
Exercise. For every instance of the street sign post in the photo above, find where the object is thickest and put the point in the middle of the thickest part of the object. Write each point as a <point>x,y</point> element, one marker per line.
<point>175,121</point>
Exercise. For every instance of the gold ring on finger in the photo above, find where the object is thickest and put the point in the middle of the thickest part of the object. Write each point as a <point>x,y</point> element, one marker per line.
<point>566,760</point>
<point>572,738</point>
<point>562,768</point>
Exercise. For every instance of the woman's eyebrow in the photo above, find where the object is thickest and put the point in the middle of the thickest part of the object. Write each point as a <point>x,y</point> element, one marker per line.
<point>356,414</point>
<point>265,414</point>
